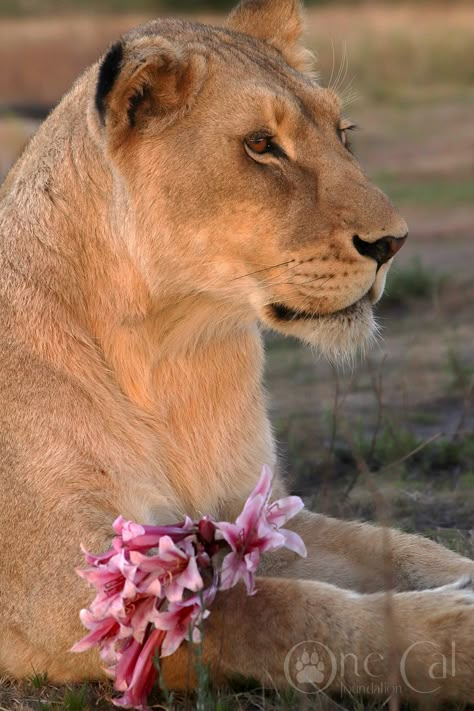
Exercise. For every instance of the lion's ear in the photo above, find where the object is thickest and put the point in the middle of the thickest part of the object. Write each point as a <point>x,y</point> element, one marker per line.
<point>144,79</point>
<point>277,22</point>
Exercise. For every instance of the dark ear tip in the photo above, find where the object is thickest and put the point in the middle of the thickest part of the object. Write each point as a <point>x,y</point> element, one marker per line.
<point>108,73</point>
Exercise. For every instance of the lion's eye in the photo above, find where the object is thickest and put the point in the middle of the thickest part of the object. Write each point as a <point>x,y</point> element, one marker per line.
<point>260,144</point>
<point>342,132</point>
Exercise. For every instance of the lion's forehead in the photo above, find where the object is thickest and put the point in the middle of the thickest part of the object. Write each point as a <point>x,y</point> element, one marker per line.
<point>220,43</point>
<point>249,64</point>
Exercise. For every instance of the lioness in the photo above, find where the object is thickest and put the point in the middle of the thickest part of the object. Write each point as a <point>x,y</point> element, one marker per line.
<point>196,182</point>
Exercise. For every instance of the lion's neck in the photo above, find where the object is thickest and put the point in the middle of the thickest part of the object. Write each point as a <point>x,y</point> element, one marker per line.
<point>51,211</point>
<point>187,365</point>
<point>74,241</point>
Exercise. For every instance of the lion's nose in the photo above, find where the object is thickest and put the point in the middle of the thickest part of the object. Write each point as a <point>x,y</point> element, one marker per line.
<point>381,250</point>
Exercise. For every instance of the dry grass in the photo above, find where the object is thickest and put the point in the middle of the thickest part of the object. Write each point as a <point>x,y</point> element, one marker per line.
<point>400,51</point>
<point>407,50</point>
<point>44,56</point>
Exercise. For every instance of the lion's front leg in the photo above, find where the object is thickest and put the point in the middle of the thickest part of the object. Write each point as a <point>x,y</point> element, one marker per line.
<point>316,636</point>
<point>368,558</point>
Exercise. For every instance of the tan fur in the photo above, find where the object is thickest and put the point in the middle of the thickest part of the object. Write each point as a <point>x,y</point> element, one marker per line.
<point>139,251</point>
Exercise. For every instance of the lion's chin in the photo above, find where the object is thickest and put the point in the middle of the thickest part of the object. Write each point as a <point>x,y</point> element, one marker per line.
<point>338,336</point>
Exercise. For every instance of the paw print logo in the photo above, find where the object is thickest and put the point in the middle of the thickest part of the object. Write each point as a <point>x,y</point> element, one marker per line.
<point>310,669</point>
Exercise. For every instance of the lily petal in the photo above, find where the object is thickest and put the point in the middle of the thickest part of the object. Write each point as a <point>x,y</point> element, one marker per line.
<point>279,512</point>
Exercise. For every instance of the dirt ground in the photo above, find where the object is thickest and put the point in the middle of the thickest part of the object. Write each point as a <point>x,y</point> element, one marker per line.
<point>406,409</point>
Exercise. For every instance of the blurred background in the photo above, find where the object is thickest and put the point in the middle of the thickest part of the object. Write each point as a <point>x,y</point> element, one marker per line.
<point>398,427</point>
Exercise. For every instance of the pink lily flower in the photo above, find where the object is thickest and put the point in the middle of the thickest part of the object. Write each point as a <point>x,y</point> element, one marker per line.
<point>139,615</point>
<point>138,673</point>
<point>137,537</point>
<point>155,584</point>
<point>101,631</point>
<point>279,513</point>
<point>170,571</point>
<point>102,558</point>
<point>256,531</point>
<point>185,562</point>
<point>236,567</point>
<point>127,659</point>
<point>113,582</point>
<point>181,621</point>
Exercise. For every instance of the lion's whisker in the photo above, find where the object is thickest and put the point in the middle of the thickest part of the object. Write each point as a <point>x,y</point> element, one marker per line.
<point>346,90</point>
<point>343,69</point>
<point>338,75</point>
<point>333,62</point>
<point>259,271</point>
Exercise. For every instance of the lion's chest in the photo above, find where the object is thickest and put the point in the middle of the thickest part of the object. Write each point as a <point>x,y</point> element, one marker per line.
<point>212,426</point>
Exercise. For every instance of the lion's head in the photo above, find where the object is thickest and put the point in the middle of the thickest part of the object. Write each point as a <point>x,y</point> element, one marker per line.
<point>235,169</point>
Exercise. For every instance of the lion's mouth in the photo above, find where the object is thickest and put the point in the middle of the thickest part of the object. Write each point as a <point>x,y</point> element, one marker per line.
<point>338,334</point>
<point>282,312</point>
